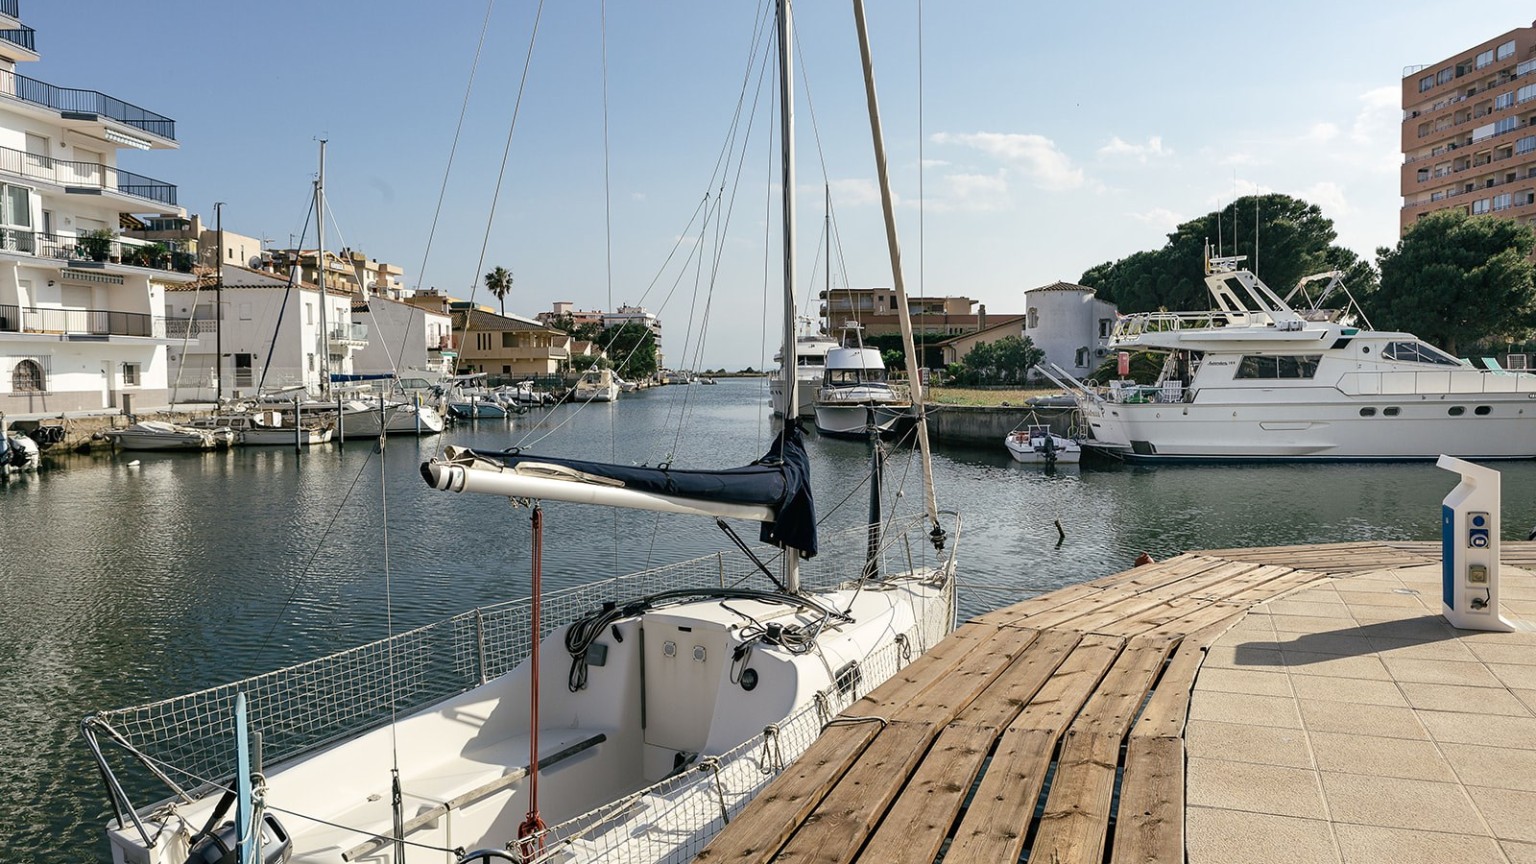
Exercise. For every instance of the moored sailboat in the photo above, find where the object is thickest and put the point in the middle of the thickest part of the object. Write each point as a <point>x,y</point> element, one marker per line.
<point>626,725</point>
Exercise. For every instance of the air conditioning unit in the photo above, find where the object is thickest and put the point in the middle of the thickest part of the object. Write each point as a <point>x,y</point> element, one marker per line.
<point>1517,361</point>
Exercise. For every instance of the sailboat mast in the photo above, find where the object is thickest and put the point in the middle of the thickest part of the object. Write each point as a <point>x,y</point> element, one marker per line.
<point>325,330</point>
<point>907,342</point>
<point>787,160</point>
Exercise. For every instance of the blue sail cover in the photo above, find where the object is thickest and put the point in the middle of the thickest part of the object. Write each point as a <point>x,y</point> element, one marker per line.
<point>781,481</point>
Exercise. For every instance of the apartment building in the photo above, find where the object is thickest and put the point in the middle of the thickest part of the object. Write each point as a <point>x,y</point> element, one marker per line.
<point>271,336</point>
<point>1469,131</point>
<point>509,344</point>
<point>81,304</point>
<point>876,310</point>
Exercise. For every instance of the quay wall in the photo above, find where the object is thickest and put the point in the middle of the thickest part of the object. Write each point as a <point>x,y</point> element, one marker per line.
<point>987,426</point>
<point>84,433</point>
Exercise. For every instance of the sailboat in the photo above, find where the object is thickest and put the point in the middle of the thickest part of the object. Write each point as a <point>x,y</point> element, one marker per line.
<point>625,719</point>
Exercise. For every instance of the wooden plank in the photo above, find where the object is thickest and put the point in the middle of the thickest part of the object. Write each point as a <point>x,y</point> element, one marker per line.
<point>932,666</point>
<point>1149,825</point>
<point>1277,587</point>
<point>1175,567</point>
<point>967,679</point>
<point>1075,822</point>
<point>835,830</point>
<point>1088,616</point>
<point>915,827</point>
<point>1244,581</point>
<point>1203,617</point>
<point>1076,818</point>
<point>965,662</point>
<point>994,827</point>
<point>1168,706</point>
<point>767,821</point>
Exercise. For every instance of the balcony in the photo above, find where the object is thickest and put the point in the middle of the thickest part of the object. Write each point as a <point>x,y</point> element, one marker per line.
<point>93,322</point>
<point>163,255</point>
<point>85,177</point>
<point>10,8</point>
<point>353,333</point>
<point>82,104</point>
<point>24,37</point>
<point>189,328</point>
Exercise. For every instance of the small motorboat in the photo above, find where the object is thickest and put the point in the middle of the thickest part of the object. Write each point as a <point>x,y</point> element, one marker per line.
<point>1037,444</point>
<point>18,453</point>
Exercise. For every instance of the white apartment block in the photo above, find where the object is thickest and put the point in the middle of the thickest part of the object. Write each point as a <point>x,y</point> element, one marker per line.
<point>81,324</point>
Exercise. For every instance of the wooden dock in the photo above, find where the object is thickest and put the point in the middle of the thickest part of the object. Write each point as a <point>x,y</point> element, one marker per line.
<point>1055,727</point>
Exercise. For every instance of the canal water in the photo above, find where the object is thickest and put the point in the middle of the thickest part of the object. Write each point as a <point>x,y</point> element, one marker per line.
<point>122,583</point>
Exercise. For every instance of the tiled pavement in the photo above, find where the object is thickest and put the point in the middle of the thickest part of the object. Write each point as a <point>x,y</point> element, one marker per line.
<point>1349,723</point>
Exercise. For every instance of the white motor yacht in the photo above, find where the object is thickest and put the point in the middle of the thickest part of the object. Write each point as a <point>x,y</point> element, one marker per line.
<point>1255,379</point>
<point>597,385</point>
<point>810,368</point>
<point>855,392</point>
<point>160,435</point>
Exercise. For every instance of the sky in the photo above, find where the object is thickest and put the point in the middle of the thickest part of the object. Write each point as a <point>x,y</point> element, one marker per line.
<point>1027,142</point>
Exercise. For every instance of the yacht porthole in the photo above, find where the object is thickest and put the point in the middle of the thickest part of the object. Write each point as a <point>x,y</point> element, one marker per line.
<point>1456,411</point>
<point>1482,410</point>
<point>1391,412</point>
<point>1367,412</point>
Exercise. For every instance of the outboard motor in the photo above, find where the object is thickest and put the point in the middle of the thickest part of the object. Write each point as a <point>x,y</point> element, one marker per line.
<point>218,847</point>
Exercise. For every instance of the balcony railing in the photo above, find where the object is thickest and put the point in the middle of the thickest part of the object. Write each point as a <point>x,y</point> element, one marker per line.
<point>10,8</point>
<point>349,333</point>
<point>189,328</point>
<point>24,36</point>
<point>68,100</point>
<point>161,255</point>
<point>85,174</point>
<point>96,322</point>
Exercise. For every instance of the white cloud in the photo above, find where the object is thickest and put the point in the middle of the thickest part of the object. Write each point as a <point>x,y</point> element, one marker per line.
<point>1329,196</point>
<point>1140,152</point>
<point>1240,159</point>
<point>935,163</point>
<point>854,192</point>
<point>1034,156</point>
<point>1160,218</point>
<point>971,193</point>
<point>1320,133</point>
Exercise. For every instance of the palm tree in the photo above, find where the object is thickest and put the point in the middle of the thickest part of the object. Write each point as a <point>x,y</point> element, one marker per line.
<point>499,283</point>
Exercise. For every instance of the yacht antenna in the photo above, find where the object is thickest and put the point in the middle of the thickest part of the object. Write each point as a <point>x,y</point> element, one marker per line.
<point>787,164</point>
<point>893,244</point>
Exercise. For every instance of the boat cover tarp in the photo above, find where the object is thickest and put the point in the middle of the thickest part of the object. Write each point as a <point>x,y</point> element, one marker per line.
<point>781,481</point>
<point>337,377</point>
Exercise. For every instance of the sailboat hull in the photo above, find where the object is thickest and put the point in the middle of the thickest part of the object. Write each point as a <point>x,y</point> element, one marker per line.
<point>664,690</point>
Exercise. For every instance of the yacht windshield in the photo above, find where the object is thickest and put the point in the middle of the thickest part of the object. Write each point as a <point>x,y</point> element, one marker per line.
<point>1417,352</point>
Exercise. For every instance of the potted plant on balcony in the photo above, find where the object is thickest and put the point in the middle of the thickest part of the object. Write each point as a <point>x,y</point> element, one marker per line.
<point>97,244</point>
<point>151,255</point>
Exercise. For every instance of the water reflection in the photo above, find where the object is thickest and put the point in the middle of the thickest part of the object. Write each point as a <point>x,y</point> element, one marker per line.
<point>124,584</point>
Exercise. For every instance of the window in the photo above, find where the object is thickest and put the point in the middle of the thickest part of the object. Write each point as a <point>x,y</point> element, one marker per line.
<point>483,341</point>
<point>16,213</point>
<point>1482,410</point>
<point>1507,49</point>
<point>1485,58</point>
<point>1391,412</point>
<point>1034,318</point>
<point>1367,412</point>
<point>1480,206</point>
<point>1278,366</point>
<point>1081,360</point>
<point>508,341</point>
<point>1456,411</point>
<point>309,317</point>
<point>130,374</point>
<point>1105,326</point>
<point>1503,100</point>
<point>27,377</point>
<point>1526,93</point>
<point>1505,124</point>
<point>1445,76</point>
<point>1417,352</point>
<point>1501,202</point>
<point>1426,82</point>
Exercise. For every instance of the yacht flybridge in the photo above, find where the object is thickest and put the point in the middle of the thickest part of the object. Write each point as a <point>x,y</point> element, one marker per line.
<point>1257,379</point>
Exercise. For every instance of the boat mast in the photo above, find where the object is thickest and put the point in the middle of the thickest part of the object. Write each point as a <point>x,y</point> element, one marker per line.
<point>325,331</point>
<point>915,381</point>
<point>787,163</point>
